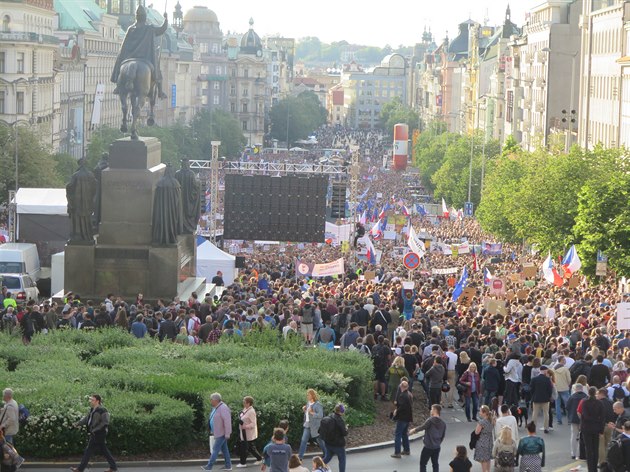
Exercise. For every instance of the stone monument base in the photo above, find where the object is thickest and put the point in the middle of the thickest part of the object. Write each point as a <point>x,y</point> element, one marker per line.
<point>124,261</point>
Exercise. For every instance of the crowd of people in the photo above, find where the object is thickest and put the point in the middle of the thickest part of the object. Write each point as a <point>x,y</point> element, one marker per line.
<point>543,354</point>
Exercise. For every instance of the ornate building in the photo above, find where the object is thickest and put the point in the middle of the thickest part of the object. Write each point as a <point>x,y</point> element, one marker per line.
<point>247,81</point>
<point>29,91</point>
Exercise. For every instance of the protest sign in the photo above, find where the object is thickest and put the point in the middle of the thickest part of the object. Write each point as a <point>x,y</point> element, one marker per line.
<point>529,270</point>
<point>497,287</point>
<point>623,316</point>
<point>495,307</point>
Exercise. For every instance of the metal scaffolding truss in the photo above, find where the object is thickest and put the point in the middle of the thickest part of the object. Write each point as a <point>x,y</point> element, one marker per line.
<point>274,168</point>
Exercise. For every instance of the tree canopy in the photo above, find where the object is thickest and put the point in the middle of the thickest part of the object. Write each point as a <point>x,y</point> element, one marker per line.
<point>302,114</point>
<point>394,112</point>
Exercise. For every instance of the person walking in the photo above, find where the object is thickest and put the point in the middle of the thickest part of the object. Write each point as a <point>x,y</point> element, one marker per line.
<point>248,433</point>
<point>471,380</point>
<point>591,426</point>
<point>403,414</point>
<point>278,453</point>
<point>506,419</point>
<point>483,448</point>
<point>335,443</point>
<point>531,451</point>
<point>97,421</point>
<point>513,371</point>
<point>435,376</point>
<point>541,390</point>
<point>574,419</point>
<point>9,416</point>
<point>434,431</point>
<point>220,426</point>
<point>609,417</point>
<point>563,386</point>
<point>504,451</point>
<point>313,414</point>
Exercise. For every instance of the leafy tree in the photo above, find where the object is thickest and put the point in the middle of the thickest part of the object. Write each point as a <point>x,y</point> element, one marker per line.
<point>304,112</point>
<point>217,125</point>
<point>36,168</point>
<point>603,218</point>
<point>394,112</point>
<point>101,139</point>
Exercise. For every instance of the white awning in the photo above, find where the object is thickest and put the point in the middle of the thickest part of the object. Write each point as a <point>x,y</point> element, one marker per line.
<point>41,201</point>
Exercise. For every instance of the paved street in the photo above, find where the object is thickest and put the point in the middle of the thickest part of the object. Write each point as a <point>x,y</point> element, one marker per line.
<point>458,432</point>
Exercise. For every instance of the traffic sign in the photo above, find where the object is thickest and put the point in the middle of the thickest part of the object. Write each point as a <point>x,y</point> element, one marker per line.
<point>411,260</point>
<point>468,209</point>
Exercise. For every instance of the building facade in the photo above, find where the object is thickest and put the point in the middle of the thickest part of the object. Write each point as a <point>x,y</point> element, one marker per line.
<point>29,85</point>
<point>604,109</point>
<point>367,91</point>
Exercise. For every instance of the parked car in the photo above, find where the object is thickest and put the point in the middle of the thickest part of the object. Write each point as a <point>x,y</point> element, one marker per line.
<point>21,286</point>
<point>20,258</point>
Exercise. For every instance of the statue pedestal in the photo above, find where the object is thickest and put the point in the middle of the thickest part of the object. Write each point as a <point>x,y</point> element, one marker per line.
<point>124,261</point>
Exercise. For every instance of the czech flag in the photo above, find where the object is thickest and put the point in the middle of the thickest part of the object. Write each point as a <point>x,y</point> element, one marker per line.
<point>461,284</point>
<point>370,254</point>
<point>487,276</point>
<point>550,273</point>
<point>444,209</point>
<point>385,208</point>
<point>571,262</point>
<point>405,211</point>
<point>363,218</point>
<point>376,231</point>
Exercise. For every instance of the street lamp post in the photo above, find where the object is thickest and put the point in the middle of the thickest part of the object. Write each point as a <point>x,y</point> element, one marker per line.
<point>569,135</point>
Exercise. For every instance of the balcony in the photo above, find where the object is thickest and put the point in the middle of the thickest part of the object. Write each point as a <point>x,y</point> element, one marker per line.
<point>23,37</point>
<point>540,107</point>
<point>541,56</point>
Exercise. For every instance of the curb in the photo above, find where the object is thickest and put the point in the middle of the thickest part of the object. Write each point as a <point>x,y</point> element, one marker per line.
<point>199,462</point>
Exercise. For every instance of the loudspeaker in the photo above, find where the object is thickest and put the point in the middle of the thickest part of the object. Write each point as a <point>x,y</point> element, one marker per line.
<point>338,201</point>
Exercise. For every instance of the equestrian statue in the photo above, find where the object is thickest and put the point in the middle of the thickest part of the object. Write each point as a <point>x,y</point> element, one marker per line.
<point>137,70</point>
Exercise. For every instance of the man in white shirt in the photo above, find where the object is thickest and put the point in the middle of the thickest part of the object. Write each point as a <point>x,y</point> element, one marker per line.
<point>506,419</point>
<point>9,416</point>
<point>451,376</point>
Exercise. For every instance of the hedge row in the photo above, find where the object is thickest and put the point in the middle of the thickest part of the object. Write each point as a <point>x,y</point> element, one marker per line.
<point>158,393</point>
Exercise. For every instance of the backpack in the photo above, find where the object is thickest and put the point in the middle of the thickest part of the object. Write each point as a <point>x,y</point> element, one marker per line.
<point>505,459</point>
<point>378,355</point>
<point>328,429</point>
<point>23,415</point>
<point>307,314</point>
<point>614,454</point>
<point>618,394</point>
<point>8,320</point>
<point>196,324</point>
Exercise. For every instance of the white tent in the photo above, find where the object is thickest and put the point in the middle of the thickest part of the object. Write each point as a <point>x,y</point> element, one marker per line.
<point>211,259</point>
<point>41,201</point>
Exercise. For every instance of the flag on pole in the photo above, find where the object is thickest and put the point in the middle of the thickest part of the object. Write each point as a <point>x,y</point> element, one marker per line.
<point>405,211</point>
<point>487,276</point>
<point>370,254</point>
<point>376,231</point>
<point>571,262</point>
<point>475,265</point>
<point>420,209</point>
<point>412,242</point>
<point>363,218</point>
<point>550,273</point>
<point>444,209</point>
<point>461,284</point>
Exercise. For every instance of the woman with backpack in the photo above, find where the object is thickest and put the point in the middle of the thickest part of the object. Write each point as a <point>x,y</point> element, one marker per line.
<point>504,451</point>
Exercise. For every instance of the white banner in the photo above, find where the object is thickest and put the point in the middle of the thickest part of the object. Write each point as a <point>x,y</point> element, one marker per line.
<point>338,233</point>
<point>448,271</point>
<point>331,268</point>
<point>623,316</point>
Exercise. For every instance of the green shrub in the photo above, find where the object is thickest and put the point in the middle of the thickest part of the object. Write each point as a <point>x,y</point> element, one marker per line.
<point>158,394</point>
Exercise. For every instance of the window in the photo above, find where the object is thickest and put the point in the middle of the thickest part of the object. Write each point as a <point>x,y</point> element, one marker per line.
<point>205,70</point>
<point>218,70</point>
<point>244,125</point>
<point>216,100</point>
<point>245,92</point>
<point>217,85</point>
<point>6,24</point>
<point>244,107</point>
<point>203,48</point>
<point>2,61</point>
<point>19,103</point>
<point>234,72</point>
<point>20,62</point>
<point>232,90</point>
<point>1,102</point>
<point>246,73</point>
<point>215,48</point>
<point>233,107</point>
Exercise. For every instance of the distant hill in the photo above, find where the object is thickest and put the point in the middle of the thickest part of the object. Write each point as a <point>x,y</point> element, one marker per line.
<point>311,50</point>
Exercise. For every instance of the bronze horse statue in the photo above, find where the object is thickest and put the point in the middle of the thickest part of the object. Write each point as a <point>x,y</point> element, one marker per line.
<point>135,85</point>
<point>137,70</point>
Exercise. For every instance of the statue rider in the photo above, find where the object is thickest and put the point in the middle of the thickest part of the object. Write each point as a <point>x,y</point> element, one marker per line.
<point>139,43</point>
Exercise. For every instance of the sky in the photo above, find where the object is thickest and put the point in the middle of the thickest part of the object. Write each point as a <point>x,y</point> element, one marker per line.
<point>356,21</point>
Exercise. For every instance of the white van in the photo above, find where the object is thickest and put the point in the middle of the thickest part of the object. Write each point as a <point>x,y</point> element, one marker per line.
<point>20,258</point>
